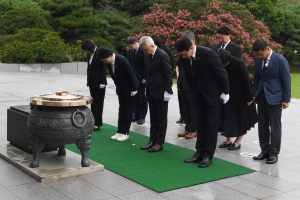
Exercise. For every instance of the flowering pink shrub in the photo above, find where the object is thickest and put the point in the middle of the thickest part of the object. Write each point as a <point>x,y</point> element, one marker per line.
<point>170,26</point>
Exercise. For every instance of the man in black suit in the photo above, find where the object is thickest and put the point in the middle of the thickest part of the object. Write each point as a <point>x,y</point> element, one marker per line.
<point>137,61</point>
<point>206,73</point>
<point>96,80</point>
<point>223,35</point>
<point>188,97</point>
<point>158,89</point>
<point>126,88</point>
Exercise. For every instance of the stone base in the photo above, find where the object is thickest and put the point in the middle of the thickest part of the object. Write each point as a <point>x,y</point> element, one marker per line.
<point>52,167</point>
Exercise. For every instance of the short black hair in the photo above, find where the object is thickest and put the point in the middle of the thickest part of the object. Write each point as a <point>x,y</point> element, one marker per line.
<point>225,56</point>
<point>104,52</point>
<point>130,40</point>
<point>183,44</point>
<point>223,30</point>
<point>259,45</point>
<point>88,45</point>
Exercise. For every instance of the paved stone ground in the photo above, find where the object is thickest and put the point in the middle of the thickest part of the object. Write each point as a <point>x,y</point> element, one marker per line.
<point>274,182</point>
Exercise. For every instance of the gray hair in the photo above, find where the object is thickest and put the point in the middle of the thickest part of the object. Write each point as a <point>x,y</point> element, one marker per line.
<point>189,34</point>
<point>147,41</point>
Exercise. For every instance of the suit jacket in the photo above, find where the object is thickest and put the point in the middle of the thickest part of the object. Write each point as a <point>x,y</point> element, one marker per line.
<point>138,64</point>
<point>208,75</point>
<point>276,83</point>
<point>159,74</point>
<point>170,54</point>
<point>124,77</point>
<point>182,82</point>
<point>96,72</point>
<point>233,48</point>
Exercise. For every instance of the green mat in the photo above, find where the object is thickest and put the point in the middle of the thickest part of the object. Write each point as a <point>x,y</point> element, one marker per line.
<point>160,171</point>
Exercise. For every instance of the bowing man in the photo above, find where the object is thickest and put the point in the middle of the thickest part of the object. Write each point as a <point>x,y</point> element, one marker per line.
<point>126,88</point>
<point>158,90</point>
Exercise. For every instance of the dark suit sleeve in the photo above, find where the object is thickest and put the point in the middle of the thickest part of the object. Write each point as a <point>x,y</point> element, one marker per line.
<point>219,70</point>
<point>256,76</point>
<point>167,71</point>
<point>103,73</point>
<point>132,76</point>
<point>244,77</point>
<point>285,79</point>
<point>237,52</point>
<point>87,71</point>
<point>170,54</point>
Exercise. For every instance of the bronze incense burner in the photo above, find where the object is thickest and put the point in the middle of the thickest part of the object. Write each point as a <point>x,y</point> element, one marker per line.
<point>60,118</point>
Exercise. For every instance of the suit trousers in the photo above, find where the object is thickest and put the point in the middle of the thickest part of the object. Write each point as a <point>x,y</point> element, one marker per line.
<point>97,105</point>
<point>158,109</point>
<point>189,110</point>
<point>269,116</point>
<point>126,105</point>
<point>207,126</point>
<point>179,92</point>
<point>141,104</point>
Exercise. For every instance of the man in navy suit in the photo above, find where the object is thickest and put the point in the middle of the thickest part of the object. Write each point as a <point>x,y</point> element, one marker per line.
<point>205,72</point>
<point>158,89</point>
<point>272,93</point>
<point>137,61</point>
<point>126,88</point>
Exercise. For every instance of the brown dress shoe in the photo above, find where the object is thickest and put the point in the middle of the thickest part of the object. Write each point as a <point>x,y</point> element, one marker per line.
<point>191,135</point>
<point>183,134</point>
<point>148,146</point>
<point>156,148</point>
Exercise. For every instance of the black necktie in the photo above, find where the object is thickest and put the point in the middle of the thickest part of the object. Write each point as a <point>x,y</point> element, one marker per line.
<point>133,55</point>
<point>222,46</point>
<point>265,67</point>
<point>150,59</point>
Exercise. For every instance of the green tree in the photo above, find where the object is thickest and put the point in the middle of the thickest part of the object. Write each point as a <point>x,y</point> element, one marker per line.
<point>133,7</point>
<point>18,14</point>
<point>74,20</point>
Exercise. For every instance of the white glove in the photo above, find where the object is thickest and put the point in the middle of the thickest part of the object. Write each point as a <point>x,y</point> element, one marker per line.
<point>224,97</point>
<point>102,86</point>
<point>133,93</point>
<point>167,96</point>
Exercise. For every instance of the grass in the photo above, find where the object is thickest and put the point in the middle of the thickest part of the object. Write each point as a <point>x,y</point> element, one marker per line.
<point>295,77</point>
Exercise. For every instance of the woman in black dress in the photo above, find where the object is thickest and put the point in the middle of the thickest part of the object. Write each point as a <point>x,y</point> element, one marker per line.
<point>239,112</point>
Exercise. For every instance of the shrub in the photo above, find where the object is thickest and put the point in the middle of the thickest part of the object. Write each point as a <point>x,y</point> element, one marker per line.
<point>31,45</point>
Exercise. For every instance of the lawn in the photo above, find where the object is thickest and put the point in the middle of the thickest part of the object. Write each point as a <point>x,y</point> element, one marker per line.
<point>295,77</point>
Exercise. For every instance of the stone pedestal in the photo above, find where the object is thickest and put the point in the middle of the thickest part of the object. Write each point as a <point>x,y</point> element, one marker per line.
<point>52,166</point>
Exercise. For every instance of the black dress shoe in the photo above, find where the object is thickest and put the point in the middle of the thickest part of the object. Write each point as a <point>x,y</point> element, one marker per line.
<point>272,159</point>
<point>225,145</point>
<point>156,148</point>
<point>205,162</point>
<point>148,146</point>
<point>260,157</point>
<point>180,120</point>
<point>141,121</point>
<point>196,158</point>
<point>234,147</point>
<point>134,119</point>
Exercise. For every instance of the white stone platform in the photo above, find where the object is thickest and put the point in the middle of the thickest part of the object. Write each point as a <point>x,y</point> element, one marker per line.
<point>52,167</point>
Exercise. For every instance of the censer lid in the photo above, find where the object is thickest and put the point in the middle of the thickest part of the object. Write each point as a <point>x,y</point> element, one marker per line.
<point>60,99</point>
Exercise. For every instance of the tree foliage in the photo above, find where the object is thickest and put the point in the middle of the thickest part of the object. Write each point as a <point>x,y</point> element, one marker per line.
<point>31,45</point>
<point>74,20</point>
<point>13,17</point>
